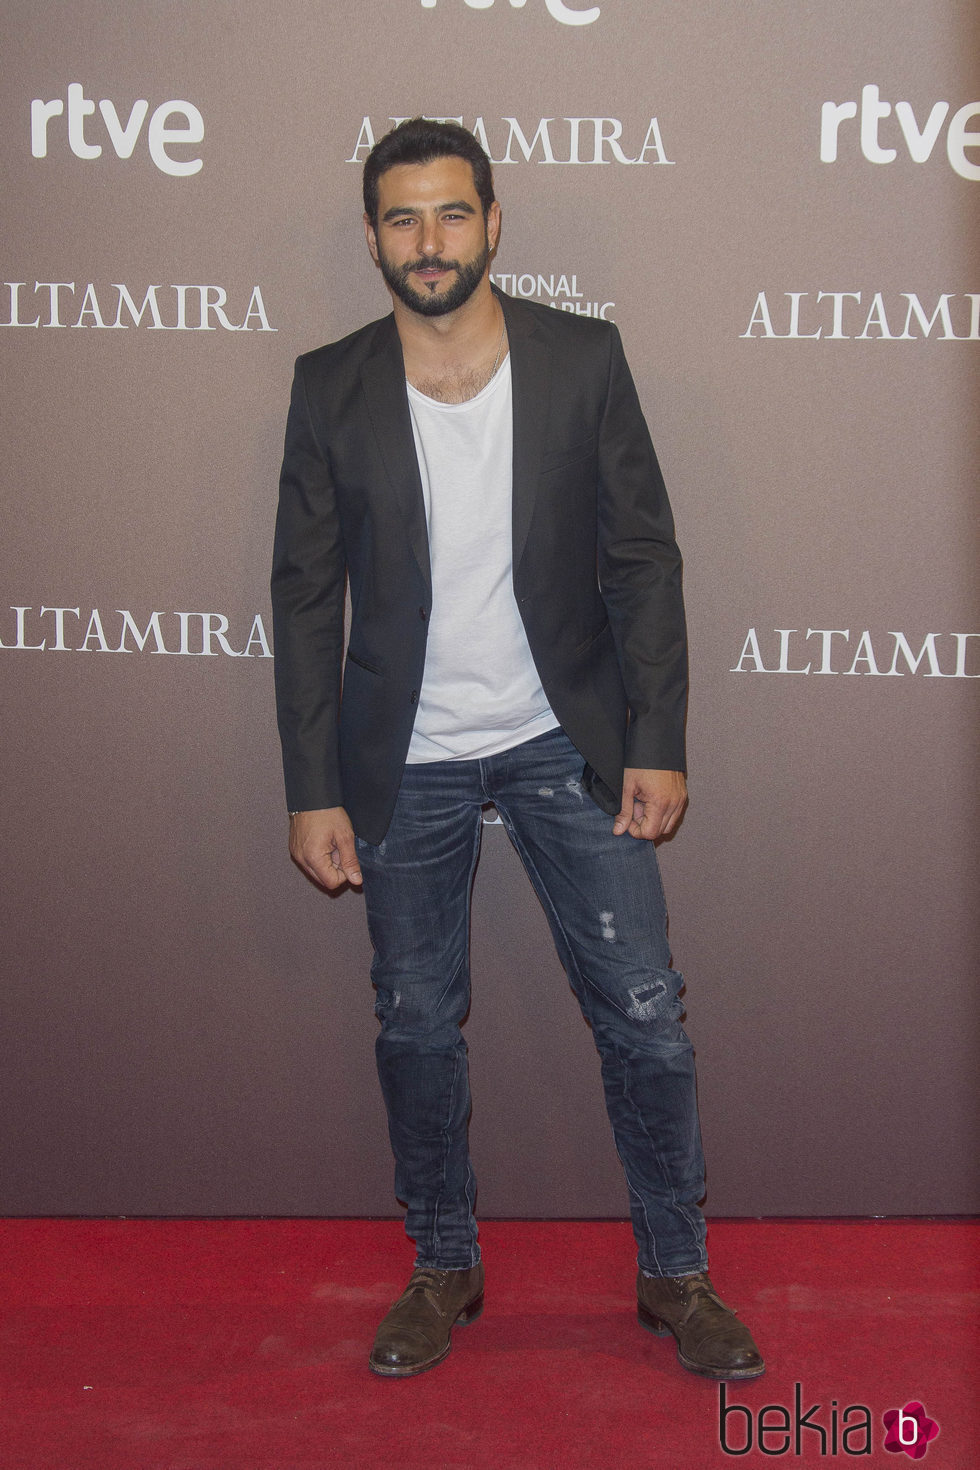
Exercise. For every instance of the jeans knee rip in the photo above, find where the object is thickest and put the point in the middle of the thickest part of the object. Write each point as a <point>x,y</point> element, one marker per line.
<point>656,998</point>
<point>646,1000</point>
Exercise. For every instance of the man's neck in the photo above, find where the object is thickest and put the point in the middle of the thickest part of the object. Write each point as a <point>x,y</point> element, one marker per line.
<point>452,357</point>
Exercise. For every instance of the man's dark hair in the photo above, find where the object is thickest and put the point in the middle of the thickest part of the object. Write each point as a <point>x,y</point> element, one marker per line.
<point>420,141</point>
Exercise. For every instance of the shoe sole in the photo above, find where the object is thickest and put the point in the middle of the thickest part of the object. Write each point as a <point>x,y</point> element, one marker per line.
<point>652,1323</point>
<point>467,1315</point>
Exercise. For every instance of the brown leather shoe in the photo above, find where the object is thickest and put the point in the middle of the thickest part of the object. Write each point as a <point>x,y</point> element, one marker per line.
<point>417,1332</point>
<point>710,1338</point>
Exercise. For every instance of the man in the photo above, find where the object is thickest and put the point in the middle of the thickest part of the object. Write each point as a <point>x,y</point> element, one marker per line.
<point>479,468</point>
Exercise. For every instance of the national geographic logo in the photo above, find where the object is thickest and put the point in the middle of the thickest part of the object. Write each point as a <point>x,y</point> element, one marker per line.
<point>559,290</point>
<point>566,15</point>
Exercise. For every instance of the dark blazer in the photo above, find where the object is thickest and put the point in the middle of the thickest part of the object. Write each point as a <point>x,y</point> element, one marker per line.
<point>597,573</point>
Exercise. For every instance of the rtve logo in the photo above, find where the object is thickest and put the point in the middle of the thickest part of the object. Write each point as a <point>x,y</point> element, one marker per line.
<point>160,134</point>
<point>567,15</point>
<point>919,141</point>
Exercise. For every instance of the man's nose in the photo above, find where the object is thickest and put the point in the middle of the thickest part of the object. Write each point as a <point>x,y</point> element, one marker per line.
<point>431,237</point>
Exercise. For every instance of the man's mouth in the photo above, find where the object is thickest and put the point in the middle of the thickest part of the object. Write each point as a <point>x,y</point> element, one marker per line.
<point>431,271</point>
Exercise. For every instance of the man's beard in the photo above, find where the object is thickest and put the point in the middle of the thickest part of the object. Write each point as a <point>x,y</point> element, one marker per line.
<point>434,303</point>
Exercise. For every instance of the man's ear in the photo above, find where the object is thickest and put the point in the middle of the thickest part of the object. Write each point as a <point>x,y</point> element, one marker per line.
<point>371,237</point>
<point>493,225</point>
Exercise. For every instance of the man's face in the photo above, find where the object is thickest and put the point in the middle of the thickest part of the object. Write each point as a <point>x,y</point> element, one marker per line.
<point>432,243</point>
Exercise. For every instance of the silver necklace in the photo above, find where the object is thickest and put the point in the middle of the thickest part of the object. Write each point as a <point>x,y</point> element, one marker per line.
<point>500,347</point>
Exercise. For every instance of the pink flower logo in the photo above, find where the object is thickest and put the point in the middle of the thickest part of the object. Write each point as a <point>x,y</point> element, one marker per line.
<point>909,1429</point>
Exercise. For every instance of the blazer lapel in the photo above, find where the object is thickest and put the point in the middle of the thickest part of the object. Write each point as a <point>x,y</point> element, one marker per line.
<point>530,366</point>
<point>383,380</point>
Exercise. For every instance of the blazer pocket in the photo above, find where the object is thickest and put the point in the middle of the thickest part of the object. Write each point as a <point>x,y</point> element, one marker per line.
<point>557,459</point>
<point>592,638</point>
<point>362,663</point>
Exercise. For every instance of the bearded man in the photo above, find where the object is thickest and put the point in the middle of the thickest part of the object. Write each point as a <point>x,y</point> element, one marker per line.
<point>480,470</point>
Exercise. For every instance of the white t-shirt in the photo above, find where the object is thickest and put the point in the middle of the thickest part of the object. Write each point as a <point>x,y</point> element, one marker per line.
<point>480,692</point>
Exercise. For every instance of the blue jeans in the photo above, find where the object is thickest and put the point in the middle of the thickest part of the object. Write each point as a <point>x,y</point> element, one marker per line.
<point>604,901</point>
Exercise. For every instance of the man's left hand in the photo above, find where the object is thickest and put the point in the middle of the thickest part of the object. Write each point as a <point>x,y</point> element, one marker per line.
<point>652,803</point>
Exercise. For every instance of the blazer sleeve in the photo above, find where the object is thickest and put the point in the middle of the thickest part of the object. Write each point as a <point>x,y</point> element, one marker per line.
<point>639,568</point>
<point>308,587</point>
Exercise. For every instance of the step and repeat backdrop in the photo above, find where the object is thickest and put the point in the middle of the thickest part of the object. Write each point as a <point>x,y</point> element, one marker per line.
<point>776,203</point>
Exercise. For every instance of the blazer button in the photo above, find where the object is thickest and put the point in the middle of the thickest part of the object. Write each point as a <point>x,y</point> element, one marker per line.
<point>423,614</point>
<point>415,697</point>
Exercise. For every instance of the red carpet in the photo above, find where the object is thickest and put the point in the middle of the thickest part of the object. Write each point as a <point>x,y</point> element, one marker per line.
<point>242,1345</point>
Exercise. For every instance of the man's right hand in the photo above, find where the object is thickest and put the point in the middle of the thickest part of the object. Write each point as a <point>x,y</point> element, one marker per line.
<point>322,844</point>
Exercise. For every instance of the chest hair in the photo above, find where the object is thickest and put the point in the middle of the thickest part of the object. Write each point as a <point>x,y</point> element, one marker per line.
<point>454,385</point>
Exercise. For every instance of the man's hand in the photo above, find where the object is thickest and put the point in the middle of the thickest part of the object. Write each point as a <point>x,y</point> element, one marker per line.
<point>652,803</point>
<point>322,844</point>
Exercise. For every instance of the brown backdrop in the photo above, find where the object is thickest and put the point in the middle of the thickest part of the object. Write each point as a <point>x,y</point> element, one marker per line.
<point>188,1024</point>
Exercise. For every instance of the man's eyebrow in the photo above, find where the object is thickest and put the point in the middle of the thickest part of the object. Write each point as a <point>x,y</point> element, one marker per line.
<point>461,206</point>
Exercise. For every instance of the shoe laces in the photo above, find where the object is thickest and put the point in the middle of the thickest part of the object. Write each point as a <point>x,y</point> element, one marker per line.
<point>427,1277</point>
<point>430,1282</point>
<point>695,1290</point>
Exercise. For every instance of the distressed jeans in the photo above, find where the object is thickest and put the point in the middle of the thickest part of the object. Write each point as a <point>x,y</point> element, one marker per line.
<point>604,901</point>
